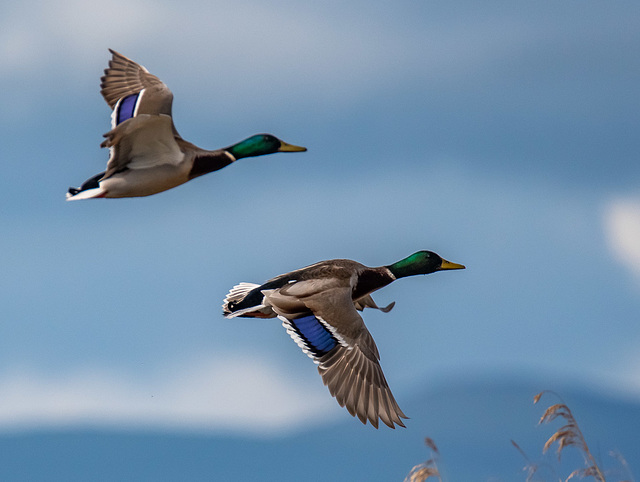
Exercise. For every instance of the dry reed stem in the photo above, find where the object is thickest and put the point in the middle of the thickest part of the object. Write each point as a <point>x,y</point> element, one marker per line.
<point>423,471</point>
<point>422,474</point>
<point>428,441</point>
<point>569,435</point>
<point>623,462</point>
<point>531,467</point>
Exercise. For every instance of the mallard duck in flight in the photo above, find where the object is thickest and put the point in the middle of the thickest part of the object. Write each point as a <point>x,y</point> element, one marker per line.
<point>318,306</point>
<point>147,155</point>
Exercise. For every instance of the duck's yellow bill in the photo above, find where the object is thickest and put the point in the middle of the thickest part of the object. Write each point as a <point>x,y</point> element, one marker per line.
<point>284,147</point>
<point>449,265</point>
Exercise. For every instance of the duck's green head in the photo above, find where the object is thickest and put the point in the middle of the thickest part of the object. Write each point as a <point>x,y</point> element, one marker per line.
<point>422,262</point>
<point>261,144</point>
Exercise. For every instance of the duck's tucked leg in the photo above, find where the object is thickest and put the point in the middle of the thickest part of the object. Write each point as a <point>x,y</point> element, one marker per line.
<point>89,189</point>
<point>367,302</point>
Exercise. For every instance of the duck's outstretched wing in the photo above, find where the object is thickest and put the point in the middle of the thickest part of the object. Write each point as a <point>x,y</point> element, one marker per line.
<point>124,79</point>
<point>324,322</point>
<point>359,385</point>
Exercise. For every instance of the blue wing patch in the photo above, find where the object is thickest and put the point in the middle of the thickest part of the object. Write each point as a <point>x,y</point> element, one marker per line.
<point>126,107</point>
<point>315,336</point>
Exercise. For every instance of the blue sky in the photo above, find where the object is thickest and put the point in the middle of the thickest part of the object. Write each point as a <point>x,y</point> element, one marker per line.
<point>502,136</point>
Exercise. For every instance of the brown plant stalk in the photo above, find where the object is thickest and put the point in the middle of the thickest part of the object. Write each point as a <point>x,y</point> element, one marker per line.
<point>569,435</point>
<point>423,471</point>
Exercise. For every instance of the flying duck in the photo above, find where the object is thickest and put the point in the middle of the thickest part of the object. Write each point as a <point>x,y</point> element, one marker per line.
<point>147,155</point>
<point>318,306</point>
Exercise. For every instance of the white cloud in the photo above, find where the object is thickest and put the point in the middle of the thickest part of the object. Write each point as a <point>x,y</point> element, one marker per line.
<point>35,34</point>
<point>230,394</point>
<point>622,227</point>
<point>336,51</point>
<point>268,56</point>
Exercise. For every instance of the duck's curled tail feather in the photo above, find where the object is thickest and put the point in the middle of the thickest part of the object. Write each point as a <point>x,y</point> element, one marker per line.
<point>246,301</point>
<point>89,189</point>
